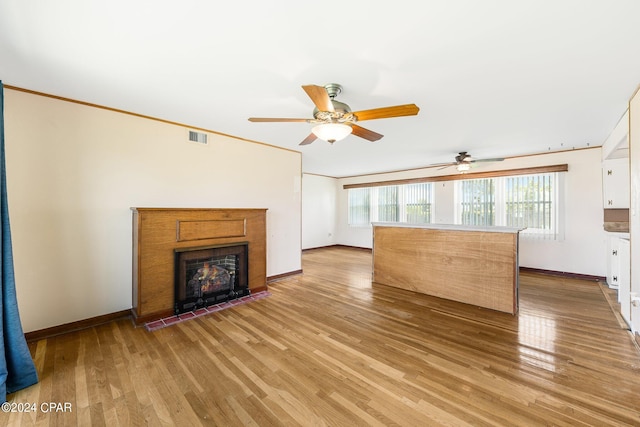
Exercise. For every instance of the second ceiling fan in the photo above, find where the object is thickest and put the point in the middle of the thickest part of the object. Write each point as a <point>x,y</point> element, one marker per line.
<point>334,120</point>
<point>464,162</point>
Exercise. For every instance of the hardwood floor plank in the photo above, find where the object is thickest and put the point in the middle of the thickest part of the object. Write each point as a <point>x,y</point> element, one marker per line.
<point>96,415</point>
<point>328,347</point>
<point>367,415</point>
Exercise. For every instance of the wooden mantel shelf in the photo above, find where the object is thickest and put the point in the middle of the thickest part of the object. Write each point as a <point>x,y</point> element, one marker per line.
<point>158,232</point>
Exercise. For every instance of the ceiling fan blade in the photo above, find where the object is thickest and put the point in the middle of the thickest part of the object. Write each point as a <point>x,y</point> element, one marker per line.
<point>320,97</point>
<point>486,160</point>
<point>269,119</point>
<point>309,139</point>
<point>387,112</point>
<point>441,164</point>
<point>367,134</point>
<point>447,165</point>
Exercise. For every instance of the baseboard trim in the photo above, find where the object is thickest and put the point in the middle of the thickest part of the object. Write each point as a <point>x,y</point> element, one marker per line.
<point>76,326</point>
<point>612,300</point>
<point>339,246</point>
<point>564,274</point>
<point>141,320</point>
<point>282,276</point>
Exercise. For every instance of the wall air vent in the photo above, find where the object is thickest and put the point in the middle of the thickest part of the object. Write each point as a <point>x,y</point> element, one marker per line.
<point>198,137</point>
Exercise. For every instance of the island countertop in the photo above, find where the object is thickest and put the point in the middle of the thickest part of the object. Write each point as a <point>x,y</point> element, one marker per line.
<point>457,227</point>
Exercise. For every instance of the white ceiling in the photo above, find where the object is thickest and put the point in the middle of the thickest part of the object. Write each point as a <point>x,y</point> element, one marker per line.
<point>496,78</point>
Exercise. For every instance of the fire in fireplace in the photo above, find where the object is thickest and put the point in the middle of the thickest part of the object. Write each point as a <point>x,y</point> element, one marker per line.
<point>210,275</point>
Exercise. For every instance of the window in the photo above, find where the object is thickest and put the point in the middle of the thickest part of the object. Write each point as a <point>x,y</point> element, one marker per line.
<point>418,203</point>
<point>529,202</point>
<point>477,201</point>
<point>359,206</point>
<point>410,203</point>
<point>387,203</point>
<point>525,201</point>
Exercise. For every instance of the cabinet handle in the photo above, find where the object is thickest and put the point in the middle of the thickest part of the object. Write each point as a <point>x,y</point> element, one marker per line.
<point>609,172</point>
<point>615,278</point>
<point>610,202</point>
<point>615,252</point>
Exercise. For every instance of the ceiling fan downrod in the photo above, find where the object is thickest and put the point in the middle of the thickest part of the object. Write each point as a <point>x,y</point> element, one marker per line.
<point>333,89</point>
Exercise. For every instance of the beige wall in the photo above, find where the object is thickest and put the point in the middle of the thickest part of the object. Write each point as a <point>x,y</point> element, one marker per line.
<point>74,171</point>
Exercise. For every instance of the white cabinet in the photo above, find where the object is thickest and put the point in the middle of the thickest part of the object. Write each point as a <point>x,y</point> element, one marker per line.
<point>615,183</point>
<point>613,264</point>
<point>619,271</point>
<point>617,263</point>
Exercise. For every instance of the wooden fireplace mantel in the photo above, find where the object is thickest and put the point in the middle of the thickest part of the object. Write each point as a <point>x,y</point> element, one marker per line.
<point>157,232</point>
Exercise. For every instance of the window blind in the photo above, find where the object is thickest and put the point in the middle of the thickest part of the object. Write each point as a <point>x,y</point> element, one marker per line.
<point>530,202</point>
<point>411,203</point>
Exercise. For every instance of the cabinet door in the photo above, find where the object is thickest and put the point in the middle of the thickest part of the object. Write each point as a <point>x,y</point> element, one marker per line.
<point>613,269</point>
<point>615,183</point>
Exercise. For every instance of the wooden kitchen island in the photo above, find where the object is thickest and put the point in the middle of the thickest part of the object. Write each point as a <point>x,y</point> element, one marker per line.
<point>469,264</point>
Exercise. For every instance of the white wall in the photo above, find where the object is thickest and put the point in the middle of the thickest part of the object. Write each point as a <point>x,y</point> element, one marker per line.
<point>583,249</point>
<point>318,211</point>
<point>74,172</point>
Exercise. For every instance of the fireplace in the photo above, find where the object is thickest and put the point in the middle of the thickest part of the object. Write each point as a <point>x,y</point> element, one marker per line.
<point>210,275</point>
<point>159,232</point>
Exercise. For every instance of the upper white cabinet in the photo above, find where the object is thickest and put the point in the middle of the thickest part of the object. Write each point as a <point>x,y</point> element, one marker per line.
<point>615,183</point>
<point>615,167</point>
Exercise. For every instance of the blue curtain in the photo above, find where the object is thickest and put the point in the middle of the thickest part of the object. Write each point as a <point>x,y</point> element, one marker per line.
<point>17,370</point>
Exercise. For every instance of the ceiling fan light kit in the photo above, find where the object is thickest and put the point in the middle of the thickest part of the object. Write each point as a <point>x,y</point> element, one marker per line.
<point>334,120</point>
<point>332,132</point>
<point>463,167</point>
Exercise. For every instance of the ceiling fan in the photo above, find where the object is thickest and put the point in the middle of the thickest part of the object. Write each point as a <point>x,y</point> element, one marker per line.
<point>334,120</point>
<point>464,162</point>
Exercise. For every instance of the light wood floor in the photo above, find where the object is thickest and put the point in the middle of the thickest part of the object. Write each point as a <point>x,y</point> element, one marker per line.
<point>329,348</point>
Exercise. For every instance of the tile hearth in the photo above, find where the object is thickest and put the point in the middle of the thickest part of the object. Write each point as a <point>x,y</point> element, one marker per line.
<point>172,320</point>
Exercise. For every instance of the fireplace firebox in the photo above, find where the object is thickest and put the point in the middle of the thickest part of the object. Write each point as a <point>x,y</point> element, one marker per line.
<point>210,275</point>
